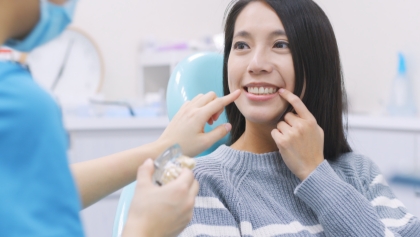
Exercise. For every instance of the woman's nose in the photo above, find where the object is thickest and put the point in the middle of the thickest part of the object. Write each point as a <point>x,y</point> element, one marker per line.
<point>259,64</point>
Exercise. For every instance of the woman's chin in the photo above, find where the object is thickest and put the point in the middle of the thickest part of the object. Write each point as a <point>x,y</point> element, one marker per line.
<point>264,119</point>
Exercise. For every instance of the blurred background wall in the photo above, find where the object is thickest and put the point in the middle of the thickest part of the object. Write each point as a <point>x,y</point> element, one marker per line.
<point>120,27</point>
<point>370,34</point>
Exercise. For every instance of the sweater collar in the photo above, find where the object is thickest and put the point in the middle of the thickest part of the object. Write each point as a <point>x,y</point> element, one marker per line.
<point>232,157</point>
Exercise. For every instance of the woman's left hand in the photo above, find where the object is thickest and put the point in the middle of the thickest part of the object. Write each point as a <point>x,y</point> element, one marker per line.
<point>299,138</point>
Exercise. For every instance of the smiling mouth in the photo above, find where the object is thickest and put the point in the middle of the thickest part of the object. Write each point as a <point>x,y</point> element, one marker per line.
<point>261,90</point>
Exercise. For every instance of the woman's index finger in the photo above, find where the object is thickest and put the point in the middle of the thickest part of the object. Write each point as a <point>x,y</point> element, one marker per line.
<point>296,103</point>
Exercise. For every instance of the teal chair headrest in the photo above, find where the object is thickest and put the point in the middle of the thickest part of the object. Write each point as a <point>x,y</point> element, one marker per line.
<point>198,74</point>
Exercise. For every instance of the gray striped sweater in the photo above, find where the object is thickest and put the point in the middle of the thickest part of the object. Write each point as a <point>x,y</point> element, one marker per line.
<point>246,194</point>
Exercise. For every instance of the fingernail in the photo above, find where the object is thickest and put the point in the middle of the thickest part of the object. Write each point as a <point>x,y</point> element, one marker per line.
<point>228,127</point>
<point>281,90</point>
<point>148,161</point>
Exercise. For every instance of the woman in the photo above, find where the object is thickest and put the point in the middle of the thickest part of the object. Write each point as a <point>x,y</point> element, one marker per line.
<point>38,194</point>
<point>289,169</point>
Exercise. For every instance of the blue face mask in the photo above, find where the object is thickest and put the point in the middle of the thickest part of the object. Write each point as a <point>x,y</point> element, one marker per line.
<point>53,21</point>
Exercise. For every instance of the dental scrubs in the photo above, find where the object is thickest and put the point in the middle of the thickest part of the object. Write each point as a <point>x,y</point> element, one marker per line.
<point>38,196</point>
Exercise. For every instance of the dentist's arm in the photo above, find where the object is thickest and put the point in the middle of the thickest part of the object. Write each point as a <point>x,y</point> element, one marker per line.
<point>100,177</point>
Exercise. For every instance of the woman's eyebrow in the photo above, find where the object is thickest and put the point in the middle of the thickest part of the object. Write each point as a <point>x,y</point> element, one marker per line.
<point>243,34</point>
<point>246,34</point>
<point>278,33</point>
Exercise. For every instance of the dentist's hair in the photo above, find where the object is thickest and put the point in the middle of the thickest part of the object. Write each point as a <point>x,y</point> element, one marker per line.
<point>316,59</point>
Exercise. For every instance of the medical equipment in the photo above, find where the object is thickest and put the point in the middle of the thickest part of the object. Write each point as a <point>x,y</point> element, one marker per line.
<point>406,180</point>
<point>169,164</point>
<point>402,102</point>
<point>196,74</point>
<point>115,103</point>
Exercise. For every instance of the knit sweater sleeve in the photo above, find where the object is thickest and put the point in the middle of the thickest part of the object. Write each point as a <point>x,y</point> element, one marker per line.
<point>211,215</point>
<point>343,210</point>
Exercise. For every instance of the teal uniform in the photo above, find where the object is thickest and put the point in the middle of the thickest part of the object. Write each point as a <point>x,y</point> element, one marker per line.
<point>38,196</point>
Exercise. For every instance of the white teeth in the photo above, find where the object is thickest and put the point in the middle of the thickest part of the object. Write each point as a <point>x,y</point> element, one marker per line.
<point>262,90</point>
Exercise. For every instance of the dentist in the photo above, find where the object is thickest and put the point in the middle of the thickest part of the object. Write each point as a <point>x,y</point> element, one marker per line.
<point>38,194</point>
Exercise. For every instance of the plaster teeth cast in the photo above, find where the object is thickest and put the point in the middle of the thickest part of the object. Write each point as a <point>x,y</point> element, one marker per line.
<point>262,90</point>
<point>173,170</point>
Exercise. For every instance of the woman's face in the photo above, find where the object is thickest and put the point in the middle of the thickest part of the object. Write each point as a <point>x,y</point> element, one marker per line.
<point>260,63</point>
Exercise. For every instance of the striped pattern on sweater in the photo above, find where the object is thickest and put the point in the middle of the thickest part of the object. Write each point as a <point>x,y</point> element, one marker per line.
<point>246,194</point>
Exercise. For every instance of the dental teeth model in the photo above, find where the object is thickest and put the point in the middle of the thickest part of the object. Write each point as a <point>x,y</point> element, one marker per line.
<point>169,165</point>
<point>173,170</point>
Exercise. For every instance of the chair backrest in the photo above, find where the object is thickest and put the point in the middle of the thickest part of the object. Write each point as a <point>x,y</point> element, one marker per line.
<point>198,73</point>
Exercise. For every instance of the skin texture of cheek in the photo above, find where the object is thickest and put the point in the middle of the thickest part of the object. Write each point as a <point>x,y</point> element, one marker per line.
<point>233,69</point>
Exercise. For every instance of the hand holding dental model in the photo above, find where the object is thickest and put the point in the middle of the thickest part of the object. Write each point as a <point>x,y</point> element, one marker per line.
<point>299,138</point>
<point>160,211</point>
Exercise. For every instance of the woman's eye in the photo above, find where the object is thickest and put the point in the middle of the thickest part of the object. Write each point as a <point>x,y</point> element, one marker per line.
<point>281,45</point>
<point>240,45</point>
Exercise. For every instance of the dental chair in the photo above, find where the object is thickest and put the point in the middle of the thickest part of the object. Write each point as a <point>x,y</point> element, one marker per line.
<point>199,73</point>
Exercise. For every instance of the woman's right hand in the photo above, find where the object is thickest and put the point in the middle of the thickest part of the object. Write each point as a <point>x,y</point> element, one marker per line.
<point>187,126</point>
<point>161,211</point>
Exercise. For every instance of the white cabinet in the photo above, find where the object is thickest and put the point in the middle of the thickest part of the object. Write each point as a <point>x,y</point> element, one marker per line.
<point>394,145</point>
<point>92,138</point>
<point>155,69</point>
<point>392,151</point>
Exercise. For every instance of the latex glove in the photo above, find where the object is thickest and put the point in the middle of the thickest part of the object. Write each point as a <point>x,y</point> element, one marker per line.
<point>187,126</point>
<point>299,138</point>
<point>161,211</point>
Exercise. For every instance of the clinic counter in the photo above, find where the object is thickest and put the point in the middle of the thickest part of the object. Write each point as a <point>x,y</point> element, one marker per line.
<point>407,124</point>
<point>354,121</point>
<point>84,124</point>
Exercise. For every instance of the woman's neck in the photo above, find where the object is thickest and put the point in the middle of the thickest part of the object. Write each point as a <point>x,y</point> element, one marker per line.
<point>256,139</point>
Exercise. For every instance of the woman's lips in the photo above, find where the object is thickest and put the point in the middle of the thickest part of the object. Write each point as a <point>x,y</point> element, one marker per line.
<point>263,97</point>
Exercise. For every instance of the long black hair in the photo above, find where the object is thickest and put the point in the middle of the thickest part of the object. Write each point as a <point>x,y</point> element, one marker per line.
<point>316,61</point>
